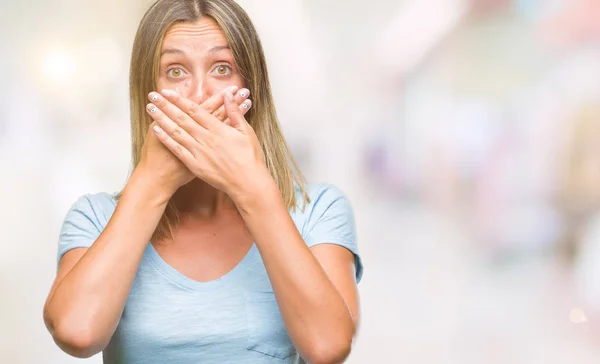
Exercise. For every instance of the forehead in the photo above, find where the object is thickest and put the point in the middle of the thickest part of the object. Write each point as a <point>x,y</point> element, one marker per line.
<point>200,35</point>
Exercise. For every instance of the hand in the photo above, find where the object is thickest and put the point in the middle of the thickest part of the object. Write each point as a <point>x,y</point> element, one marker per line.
<point>159,164</point>
<point>228,157</point>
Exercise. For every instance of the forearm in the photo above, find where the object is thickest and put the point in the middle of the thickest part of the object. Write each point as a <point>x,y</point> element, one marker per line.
<point>315,314</point>
<point>90,298</point>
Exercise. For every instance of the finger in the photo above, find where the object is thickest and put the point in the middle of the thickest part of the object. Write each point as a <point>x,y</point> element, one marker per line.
<point>174,113</point>
<point>190,110</point>
<point>214,102</point>
<point>239,98</point>
<point>244,107</point>
<point>177,149</point>
<point>234,112</point>
<point>171,128</point>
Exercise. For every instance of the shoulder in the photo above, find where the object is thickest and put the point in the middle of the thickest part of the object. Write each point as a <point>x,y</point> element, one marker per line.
<point>97,200</point>
<point>329,218</point>
<point>96,208</point>
<point>322,195</point>
<point>328,206</point>
<point>85,220</point>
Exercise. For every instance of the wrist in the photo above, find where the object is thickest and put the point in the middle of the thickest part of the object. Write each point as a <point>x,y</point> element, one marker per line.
<point>146,185</point>
<point>254,192</point>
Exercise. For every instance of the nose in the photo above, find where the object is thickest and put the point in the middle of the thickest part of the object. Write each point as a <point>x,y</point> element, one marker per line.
<point>195,90</point>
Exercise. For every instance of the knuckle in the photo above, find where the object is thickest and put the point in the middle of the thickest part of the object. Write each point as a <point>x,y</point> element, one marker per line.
<point>180,118</point>
<point>193,110</point>
<point>177,132</point>
<point>178,149</point>
<point>219,114</point>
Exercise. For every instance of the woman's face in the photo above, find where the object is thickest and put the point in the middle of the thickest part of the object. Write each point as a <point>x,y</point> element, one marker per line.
<point>196,60</point>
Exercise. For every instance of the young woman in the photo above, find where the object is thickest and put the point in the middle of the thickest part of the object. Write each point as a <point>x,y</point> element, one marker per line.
<point>216,251</point>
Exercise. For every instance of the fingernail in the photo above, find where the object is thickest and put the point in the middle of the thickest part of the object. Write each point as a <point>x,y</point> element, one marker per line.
<point>156,129</point>
<point>229,94</point>
<point>231,89</point>
<point>168,93</point>
<point>153,96</point>
<point>244,93</point>
<point>246,104</point>
<point>151,108</point>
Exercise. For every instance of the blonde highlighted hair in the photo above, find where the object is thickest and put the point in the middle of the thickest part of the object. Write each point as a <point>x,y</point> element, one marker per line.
<point>248,55</point>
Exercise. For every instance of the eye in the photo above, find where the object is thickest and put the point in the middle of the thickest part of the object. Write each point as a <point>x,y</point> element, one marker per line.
<point>222,70</point>
<point>175,72</point>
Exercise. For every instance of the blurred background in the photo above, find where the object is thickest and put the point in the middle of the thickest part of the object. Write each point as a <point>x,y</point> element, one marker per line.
<point>466,134</point>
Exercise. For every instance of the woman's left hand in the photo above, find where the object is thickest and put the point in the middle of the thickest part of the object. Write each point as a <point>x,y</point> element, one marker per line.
<point>228,157</point>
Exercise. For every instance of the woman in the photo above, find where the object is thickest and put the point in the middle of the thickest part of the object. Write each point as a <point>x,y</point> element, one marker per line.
<point>215,251</point>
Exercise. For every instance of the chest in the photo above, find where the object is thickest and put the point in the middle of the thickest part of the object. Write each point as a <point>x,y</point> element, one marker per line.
<point>232,319</point>
<point>206,252</point>
<point>178,318</point>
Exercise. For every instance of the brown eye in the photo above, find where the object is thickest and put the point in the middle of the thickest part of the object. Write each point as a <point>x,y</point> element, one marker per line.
<point>222,70</point>
<point>175,72</point>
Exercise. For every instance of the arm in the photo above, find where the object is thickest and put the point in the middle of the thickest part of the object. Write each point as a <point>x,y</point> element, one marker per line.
<point>315,287</point>
<point>87,298</point>
<point>316,292</point>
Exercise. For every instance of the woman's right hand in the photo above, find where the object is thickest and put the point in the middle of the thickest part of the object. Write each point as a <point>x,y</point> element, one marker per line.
<point>157,163</point>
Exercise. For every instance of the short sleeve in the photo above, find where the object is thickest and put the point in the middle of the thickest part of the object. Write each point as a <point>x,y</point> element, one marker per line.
<point>81,226</point>
<point>331,220</point>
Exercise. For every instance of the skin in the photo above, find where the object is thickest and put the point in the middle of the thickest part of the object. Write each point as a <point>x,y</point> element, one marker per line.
<point>211,163</point>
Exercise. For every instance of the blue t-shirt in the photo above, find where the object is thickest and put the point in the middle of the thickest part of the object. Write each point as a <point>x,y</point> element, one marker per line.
<point>170,318</point>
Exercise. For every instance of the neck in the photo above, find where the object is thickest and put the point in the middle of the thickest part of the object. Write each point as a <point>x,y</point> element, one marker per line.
<point>201,200</point>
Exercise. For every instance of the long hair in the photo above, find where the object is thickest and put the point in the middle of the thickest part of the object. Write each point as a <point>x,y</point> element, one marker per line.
<point>249,58</point>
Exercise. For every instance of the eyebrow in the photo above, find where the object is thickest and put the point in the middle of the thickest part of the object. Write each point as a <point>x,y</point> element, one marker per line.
<point>171,51</point>
<point>218,48</point>
<point>179,51</point>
